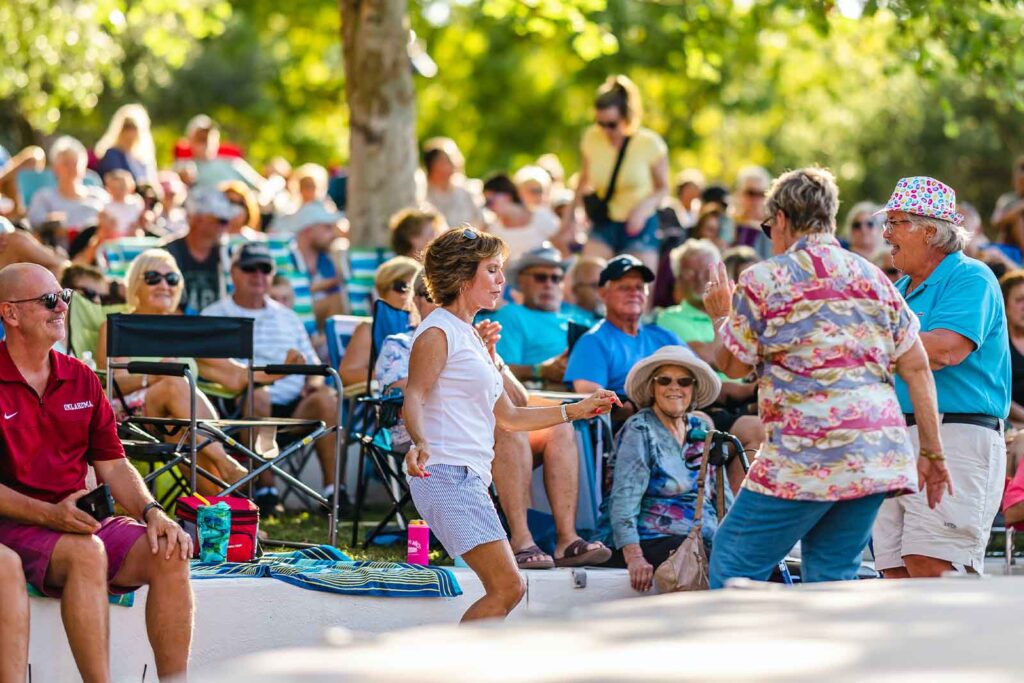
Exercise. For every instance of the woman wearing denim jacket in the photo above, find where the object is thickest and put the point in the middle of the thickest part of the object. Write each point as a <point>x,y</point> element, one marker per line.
<point>653,491</point>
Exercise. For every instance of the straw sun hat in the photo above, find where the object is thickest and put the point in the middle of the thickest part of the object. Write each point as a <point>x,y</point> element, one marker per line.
<point>638,382</point>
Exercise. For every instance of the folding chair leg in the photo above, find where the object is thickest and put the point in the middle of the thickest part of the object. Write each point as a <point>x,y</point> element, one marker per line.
<point>1008,537</point>
<point>361,485</point>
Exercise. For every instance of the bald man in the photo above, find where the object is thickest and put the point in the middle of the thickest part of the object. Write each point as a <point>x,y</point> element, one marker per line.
<point>54,422</point>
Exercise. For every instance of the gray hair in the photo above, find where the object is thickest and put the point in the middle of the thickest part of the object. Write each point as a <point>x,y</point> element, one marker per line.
<point>66,143</point>
<point>748,173</point>
<point>948,238</point>
<point>808,197</point>
<point>858,209</point>
<point>690,247</point>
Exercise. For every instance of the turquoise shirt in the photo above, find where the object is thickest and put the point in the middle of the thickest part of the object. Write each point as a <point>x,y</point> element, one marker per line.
<point>529,336</point>
<point>606,354</point>
<point>962,295</point>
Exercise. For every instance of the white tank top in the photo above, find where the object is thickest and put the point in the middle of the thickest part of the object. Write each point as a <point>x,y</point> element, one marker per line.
<point>458,414</point>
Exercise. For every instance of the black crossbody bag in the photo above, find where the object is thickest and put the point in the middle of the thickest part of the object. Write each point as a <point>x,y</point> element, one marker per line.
<point>596,207</point>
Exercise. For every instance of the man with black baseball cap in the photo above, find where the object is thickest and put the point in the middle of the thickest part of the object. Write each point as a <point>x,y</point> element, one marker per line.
<point>279,337</point>
<point>603,356</point>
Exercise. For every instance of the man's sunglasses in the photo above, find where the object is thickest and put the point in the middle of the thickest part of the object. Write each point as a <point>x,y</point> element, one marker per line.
<point>869,225</point>
<point>251,268</point>
<point>543,278</point>
<point>47,300</point>
<point>153,278</point>
<point>684,382</point>
<point>609,125</point>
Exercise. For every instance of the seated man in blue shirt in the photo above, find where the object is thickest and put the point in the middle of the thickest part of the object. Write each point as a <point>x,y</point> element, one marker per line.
<point>534,334</point>
<point>603,356</point>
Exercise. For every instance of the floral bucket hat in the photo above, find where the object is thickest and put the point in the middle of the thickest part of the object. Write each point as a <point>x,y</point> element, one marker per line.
<point>924,196</point>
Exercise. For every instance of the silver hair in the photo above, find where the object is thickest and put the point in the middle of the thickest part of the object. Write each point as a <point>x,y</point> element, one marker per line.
<point>948,238</point>
<point>689,247</point>
<point>859,209</point>
<point>808,197</point>
<point>748,173</point>
<point>66,143</point>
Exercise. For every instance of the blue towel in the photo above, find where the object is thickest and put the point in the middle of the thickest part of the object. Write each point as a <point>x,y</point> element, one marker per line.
<point>325,568</point>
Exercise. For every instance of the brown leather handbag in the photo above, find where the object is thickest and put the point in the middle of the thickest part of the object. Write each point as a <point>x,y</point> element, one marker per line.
<point>686,569</point>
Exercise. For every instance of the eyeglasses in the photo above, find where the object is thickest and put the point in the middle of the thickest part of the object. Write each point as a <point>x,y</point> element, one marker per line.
<point>543,278</point>
<point>250,268</point>
<point>400,286</point>
<point>90,294</point>
<point>425,295</point>
<point>857,225</point>
<point>153,278</point>
<point>664,381</point>
<point>890,225</point>
<point>609,125</point>
<point>49,301</point>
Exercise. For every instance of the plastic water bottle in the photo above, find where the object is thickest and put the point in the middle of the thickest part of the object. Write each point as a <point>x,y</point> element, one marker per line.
<point>418,549</point>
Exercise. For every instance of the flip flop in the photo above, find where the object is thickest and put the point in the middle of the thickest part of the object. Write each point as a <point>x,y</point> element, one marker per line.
<point>577,555</point>
<point>525,559</point>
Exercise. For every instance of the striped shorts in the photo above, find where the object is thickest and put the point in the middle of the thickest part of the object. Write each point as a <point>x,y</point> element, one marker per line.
<point>456,506</point>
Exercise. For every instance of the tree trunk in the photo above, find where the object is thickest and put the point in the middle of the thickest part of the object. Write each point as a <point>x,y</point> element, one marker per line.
<point>382,111</point>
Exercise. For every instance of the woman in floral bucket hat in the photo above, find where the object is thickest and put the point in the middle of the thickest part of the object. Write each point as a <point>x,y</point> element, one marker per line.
<point>963,327</point>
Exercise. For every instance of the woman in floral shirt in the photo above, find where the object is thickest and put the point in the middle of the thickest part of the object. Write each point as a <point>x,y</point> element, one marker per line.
<point>825,330</point>
<point>653,493</point>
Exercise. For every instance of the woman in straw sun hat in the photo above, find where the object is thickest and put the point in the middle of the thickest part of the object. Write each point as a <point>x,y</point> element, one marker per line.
<point>653,491</point>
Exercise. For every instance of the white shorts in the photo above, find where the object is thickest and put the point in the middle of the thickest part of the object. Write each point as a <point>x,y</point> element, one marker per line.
<point>957,530</point>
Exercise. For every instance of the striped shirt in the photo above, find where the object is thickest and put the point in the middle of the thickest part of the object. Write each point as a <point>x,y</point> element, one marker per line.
<point>276,329</point>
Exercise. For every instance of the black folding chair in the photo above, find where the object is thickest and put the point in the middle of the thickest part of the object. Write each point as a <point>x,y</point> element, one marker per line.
<point>213,337</point>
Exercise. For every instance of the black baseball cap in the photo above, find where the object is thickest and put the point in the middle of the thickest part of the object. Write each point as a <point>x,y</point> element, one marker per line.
<point>620,265</point>
<point>252,253</point>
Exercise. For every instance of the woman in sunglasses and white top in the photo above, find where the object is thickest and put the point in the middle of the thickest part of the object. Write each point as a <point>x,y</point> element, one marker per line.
<point>454,399</point>
<point>154,286</point>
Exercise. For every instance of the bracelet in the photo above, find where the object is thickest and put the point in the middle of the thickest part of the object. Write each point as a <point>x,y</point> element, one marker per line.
<point>932,455</point>
<point>565,414</point>
<point>149,506</point>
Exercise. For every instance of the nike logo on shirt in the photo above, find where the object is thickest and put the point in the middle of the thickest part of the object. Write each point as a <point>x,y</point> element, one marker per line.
<point>8,417</point>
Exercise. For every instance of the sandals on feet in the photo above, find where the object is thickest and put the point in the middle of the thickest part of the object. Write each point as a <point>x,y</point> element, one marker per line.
<point>578,555</point>
<point>533,557</point>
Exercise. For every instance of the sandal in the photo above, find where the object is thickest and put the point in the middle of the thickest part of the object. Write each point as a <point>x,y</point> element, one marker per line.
<point>578,555</point>
<point>530,558</point>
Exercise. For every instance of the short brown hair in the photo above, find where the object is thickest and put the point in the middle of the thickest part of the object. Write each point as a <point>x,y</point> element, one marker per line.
<point>407,224</point>
<point>1010,280</point>
<point>451,260</point>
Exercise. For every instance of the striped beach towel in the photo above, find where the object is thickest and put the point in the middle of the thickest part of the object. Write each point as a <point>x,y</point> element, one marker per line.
<point>120,600</point>
<point>324,568</point>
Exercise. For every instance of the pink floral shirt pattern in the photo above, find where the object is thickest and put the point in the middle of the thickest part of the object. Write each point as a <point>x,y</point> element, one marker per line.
<point>824,327</point>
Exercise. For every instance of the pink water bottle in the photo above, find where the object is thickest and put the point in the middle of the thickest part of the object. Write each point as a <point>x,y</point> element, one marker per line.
<point>418,551</point>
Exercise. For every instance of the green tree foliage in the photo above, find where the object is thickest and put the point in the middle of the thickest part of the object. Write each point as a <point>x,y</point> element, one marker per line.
<point>874,89</point>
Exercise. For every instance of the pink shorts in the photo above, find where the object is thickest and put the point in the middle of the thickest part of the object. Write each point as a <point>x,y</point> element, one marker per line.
<point>35,544</point>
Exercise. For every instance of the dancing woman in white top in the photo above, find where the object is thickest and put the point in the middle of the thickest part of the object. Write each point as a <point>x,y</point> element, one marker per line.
<point>453,400</point>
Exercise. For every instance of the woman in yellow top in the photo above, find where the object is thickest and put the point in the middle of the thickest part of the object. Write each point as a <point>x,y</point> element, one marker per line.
<point>642,183</point>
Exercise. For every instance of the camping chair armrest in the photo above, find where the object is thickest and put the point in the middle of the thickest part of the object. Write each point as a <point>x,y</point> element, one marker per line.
<point>153,368</point>
<point>296,369</point>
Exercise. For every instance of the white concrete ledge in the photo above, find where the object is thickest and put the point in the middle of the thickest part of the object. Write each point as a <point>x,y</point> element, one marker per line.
<point>236,617</point>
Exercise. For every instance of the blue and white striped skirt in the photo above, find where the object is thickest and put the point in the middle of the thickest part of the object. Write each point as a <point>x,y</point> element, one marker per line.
<point>456,506</point>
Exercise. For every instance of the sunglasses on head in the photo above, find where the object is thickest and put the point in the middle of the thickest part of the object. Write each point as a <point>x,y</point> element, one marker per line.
<point>542,278</point>
<point>869,225</point>
<point>49,301</point>
<point>153,278</point>
<point>609,125</point>
<point>470,234</point>
<point>250,268</point>
<point>664,381</point>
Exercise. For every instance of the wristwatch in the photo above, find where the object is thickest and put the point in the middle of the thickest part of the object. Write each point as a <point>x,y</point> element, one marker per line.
<point>149,506</point>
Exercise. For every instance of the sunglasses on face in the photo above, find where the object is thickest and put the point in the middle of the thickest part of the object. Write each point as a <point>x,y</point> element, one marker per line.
<point>424,295</point>
<point>663,381</point>
<point>766,228</point>
<point>609,125</point>
<point>754,193</point>
<point>400,287</point>
<point>49,301</point>
<point>543,278</point>
<point>250,268</point>
<point>90,294</point>
<point>153,278</point>
<point>867,225</point>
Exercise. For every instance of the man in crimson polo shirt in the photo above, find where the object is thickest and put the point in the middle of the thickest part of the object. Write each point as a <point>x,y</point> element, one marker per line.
<point>54,423</point>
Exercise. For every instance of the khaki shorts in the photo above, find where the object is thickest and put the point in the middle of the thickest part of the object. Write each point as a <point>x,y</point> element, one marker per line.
<point>958,529</point>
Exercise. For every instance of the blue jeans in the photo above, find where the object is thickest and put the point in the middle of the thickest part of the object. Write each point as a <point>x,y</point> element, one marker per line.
<point>613,233</point>
<point>759,530</point>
